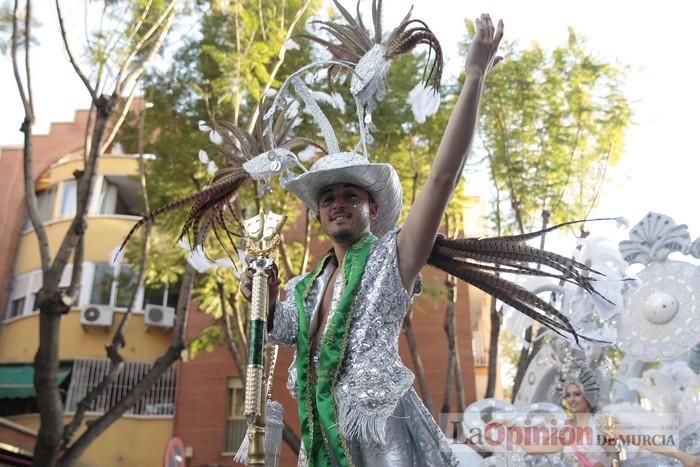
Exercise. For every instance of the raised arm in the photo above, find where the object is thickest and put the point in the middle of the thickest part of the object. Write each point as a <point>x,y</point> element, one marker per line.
<point>415,241</point>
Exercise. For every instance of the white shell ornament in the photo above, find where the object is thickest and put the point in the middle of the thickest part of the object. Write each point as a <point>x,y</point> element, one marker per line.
<point>653,239</point>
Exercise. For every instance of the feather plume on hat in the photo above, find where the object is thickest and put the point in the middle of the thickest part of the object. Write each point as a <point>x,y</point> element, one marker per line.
<point>248,156</point>
<point>369,53</point>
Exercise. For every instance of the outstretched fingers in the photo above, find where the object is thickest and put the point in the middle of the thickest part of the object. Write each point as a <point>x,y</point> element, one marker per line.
<point>499,33</point>
<point>488,25</point>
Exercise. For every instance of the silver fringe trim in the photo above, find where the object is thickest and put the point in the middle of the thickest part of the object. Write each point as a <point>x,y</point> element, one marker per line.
<point>359,424</point>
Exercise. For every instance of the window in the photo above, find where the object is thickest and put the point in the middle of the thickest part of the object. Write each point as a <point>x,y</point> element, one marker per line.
<point>24,290</point>
<point>87,373</point>
<point>117,195</point>
<point>236,424</point>
<point>70,198</point>
<point>126,286</point>
<point>113,286</point>
<point>108,198</point>
<point>102,284</point>
<point>16,307</point>
<point>45,201</point>
<point>21,288</point>
<point>162,294</point>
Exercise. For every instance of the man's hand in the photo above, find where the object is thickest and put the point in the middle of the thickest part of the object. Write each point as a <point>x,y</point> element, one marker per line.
<point>246,285</point>
<point>482,57</point>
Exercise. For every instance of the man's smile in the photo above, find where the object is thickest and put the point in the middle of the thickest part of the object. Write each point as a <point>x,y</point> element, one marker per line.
<point>340,216</point>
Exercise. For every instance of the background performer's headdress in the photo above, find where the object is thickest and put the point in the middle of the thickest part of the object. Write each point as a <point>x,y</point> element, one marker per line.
<point>586,372</point>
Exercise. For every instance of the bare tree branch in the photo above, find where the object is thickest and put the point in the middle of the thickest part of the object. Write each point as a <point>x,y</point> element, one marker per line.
<point>27,68</point>
<point>232,348</point>
<point>119,122</point>
<point>240,326</point>
<point>76,67</point>
<point>161,26</point>
<point>139,46</point>
<point>26,128</point>
<point>286,262</point>
<point>278,64</point>
<point>307,242</point>
<point>104,108</point>
<point>417,361</point>
<point>15,67</point>
<point>118,340</point>
<point>77,271</point>
<point>88,132</point>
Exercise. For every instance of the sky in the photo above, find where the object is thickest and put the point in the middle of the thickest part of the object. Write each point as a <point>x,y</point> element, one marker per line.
<point>660,168</point>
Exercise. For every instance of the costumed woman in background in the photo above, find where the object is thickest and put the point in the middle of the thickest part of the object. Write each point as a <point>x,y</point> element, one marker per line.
<point>580,390</point>
<point>576,442</point>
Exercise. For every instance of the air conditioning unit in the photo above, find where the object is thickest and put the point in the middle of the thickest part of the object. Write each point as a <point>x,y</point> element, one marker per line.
<point>159,316</point>
<point>96,315</point>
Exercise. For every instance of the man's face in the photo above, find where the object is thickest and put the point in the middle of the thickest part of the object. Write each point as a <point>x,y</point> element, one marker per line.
<point>345,212</point>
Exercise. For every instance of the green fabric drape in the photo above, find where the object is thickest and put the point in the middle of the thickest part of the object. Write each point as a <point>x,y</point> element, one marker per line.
<point>317,413</point>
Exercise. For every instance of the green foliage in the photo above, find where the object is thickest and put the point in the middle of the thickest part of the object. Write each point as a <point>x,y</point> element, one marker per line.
<point>6,28</point>
<point>210,337</point>
<point>551,123</point>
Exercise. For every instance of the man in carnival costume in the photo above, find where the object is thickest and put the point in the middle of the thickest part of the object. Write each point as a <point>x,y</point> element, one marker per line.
<point>356,403</point>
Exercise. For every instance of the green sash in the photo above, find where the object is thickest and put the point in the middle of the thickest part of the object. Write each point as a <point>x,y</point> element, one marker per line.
<point>317,415</point>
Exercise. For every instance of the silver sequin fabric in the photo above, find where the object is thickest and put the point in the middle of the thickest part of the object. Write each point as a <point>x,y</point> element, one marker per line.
<point>379,414</point>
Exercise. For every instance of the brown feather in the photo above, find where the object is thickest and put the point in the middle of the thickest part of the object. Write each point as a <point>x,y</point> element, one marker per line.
<point>476,260</point>
<point>512,294</point>
<point>354,24</point>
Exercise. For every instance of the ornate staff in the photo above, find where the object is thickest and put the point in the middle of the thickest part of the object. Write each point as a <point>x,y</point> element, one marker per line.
<point>609,427</point>
<point>263,237</point>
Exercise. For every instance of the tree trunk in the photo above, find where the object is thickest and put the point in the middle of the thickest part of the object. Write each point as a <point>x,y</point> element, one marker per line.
<point>531,346</point>
<point>493,350</point>
<point>449,327</point>
<point>522,362</point>
<point>48,396</point>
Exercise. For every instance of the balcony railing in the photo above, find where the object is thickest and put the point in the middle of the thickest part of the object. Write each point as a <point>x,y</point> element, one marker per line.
<point>87,373</point>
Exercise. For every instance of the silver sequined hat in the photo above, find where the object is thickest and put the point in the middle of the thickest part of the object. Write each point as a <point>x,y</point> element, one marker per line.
<point>366,57</point>
<point>380,180</point>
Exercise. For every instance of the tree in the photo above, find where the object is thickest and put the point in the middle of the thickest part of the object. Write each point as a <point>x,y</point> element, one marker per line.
<point>119,56</point>
<point>551,123</point>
